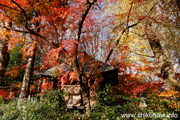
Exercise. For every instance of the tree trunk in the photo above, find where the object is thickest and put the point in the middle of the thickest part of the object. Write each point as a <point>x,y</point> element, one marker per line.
<point>4,59</point>
<point>83,85</point>
<point>55,82</point>
<point>4,54</point>
<point>85,97</point>
<point>166,66</point>
<point>178,3</point>
<point>27,75</point>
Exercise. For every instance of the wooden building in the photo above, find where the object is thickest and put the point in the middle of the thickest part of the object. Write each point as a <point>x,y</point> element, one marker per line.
<point>72,92</point>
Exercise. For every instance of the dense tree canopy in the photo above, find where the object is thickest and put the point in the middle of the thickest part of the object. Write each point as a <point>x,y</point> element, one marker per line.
<point>139,37</point>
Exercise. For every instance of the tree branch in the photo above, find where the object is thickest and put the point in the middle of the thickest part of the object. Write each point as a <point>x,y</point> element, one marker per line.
<point>24,13</point>
<point>118,39</point>
<point>30,31</point>
<point>20,31</point>
<point>34,33</point>
<point>98,6</point>
<point>9,7</point>
<point>129,13</point>
<point>141,54</point>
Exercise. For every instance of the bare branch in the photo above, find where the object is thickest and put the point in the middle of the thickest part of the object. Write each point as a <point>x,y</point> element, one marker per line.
<point>21,31</point>
<point>24,13</point>
<point>9,7</point>
<point>143,17</point>
<point>98,6</point>
<point>129,13</point>
<point>141,54</point>
<point>34,33</point>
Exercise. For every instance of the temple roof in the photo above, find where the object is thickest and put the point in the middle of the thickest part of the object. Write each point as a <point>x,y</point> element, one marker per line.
<point>89,65</point>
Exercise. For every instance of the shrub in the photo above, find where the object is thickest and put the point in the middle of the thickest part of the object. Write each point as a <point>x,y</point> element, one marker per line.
<point>50,107</point>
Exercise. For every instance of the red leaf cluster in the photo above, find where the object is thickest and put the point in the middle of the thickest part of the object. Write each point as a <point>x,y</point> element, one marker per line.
<point>46,86</point>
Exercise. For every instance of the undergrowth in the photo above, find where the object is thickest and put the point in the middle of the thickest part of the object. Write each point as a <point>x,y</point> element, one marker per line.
<point>51,107</point>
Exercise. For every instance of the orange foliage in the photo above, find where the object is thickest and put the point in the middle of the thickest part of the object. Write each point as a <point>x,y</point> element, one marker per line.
<point>169,93</point>
<point>46,86</point>
<point>13,73</point>
<point>52,17</point>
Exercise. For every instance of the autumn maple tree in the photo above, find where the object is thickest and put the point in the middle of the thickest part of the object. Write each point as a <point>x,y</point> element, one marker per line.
<point>29,22</point>
<point>36,22</point>
<point>133,35</point>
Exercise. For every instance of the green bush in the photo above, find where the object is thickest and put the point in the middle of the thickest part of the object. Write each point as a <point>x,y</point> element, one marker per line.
<point>50,107</point>
<point>109,107</point>
<point>2,100</point>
